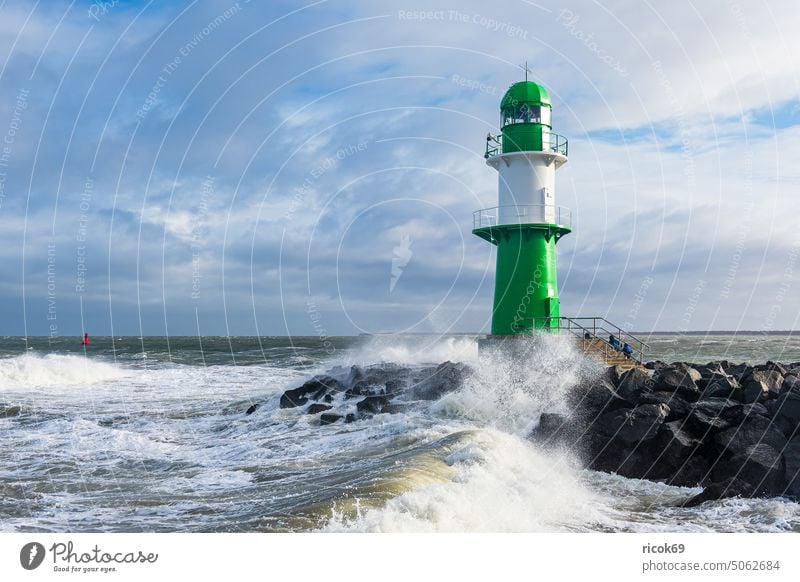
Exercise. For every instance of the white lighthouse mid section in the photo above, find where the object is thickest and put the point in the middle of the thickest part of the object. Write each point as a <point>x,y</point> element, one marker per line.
<point>526,187</point>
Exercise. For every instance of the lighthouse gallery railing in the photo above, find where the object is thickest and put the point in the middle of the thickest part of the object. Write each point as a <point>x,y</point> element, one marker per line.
<point>526,214</point>
<point>551,142</point>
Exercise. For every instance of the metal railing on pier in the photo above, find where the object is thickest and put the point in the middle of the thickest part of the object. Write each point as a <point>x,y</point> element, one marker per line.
<point>612,338</point>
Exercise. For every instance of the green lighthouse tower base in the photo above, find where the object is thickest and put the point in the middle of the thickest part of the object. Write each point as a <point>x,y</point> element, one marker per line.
<point>526,287</point>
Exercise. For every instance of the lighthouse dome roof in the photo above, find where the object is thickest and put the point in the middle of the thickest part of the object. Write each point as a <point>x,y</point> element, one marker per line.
<point>525,92</point>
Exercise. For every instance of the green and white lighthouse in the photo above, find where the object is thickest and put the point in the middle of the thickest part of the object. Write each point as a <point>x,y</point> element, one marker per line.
<point>526,224</point>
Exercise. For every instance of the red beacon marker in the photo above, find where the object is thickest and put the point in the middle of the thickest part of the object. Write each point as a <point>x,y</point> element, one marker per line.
<point>85,339</point>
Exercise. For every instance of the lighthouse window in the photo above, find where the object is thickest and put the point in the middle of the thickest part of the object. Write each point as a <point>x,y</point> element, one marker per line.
<point>545,116</point>
<point>524,113</point>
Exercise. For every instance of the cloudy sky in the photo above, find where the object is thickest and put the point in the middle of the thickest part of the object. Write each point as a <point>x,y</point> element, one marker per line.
<point>223,167</point>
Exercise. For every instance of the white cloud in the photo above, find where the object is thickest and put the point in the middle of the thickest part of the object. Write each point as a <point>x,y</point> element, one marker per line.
<point>686,83</point>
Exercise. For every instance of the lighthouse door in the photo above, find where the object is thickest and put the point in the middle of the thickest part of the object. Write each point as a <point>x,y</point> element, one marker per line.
<point>552,309</point>
<point>549,206</point>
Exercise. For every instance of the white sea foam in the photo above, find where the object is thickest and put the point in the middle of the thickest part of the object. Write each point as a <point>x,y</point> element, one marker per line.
<point>33,370</point>
<point>644,506</point>
<point>86,439</point>
<point>207,480</point>
<point>510,390</point>
<point>501,483</point>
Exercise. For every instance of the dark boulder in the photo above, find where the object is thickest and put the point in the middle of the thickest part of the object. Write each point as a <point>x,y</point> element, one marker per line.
<point>738,413</point>
<point>655,365</point>
<point>433,383</point>
<point>674,459</point>
<point>661,458</point>
<point>738,371</point>
<point>728,487</point>
<point>550,423</point>
<point>394,388</point>
<point>688,369</point>
<point>613,374</point>
<point>364,388</point>
<point>770,367</point>
<point>756,429</point>
<point>677,442</point>
<point>786,412</point>
<point>710,370</point>
<point>791,382</point>
<point>329,418</point>
<point>702,383</point>
<point>293,398</point>
<point>629,426</point>
<point>678,407</point>
<point>791,480</point>
<point>317,408</point>
<point>715,405</point>
<point>355,375</point>
<point>707,416</point>
<point>680,380</point>
<point>373,404</point>
<point>376,375</point>
<point>760,466</point>
<point>762,385</point>
<point>633,383</point>
<point>691,473</point>
<point>723,387</point>
<point>314,389</point>
<point>377,379</point>
<point>251,409</point>
<point>628,460</point>
<point>556,429</point>
<point>594,398</point>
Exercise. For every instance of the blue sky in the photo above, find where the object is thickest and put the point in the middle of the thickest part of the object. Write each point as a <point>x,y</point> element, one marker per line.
<point>312,168</point>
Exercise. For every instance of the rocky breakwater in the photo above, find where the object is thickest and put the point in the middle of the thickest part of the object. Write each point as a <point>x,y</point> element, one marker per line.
<point>356,393</point>
<point>731,429</point>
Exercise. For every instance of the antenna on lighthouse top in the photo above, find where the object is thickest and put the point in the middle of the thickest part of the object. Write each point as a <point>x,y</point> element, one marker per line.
<point>526,69</point>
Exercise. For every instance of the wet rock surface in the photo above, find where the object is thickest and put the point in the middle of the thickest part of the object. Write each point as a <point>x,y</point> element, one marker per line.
<point>360,392</point>
<point>729,428</point>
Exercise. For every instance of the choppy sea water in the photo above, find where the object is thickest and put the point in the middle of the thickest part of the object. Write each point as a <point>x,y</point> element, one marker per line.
<point>151,435</point>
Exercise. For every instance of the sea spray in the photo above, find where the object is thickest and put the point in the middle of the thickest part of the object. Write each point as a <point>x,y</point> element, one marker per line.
<point>502,482</point>
<point>409,350</point>
<point>511,389</point>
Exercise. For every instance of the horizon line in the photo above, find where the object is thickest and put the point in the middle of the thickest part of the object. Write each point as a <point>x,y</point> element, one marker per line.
<point>378,334</point>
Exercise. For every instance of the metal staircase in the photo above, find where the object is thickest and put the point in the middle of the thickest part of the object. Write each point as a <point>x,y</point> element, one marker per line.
<point>593,335</point>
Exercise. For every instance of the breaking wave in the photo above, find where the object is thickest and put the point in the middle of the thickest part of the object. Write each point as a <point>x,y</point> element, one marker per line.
<point>34,370</point>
